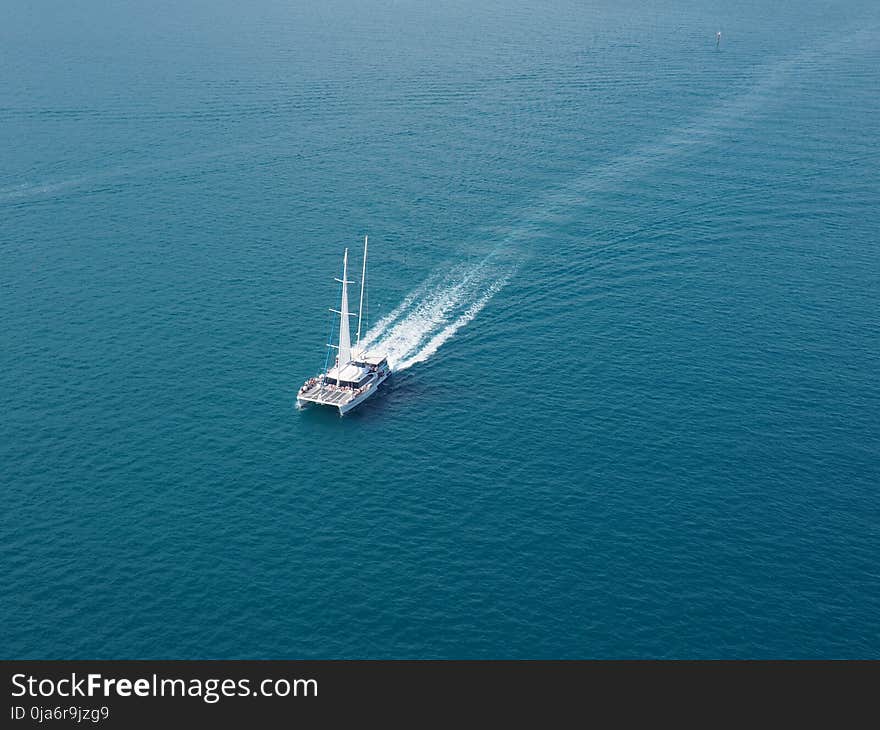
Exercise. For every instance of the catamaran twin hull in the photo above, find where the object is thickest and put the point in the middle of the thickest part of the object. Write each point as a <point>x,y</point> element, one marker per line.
<point>344,398</point>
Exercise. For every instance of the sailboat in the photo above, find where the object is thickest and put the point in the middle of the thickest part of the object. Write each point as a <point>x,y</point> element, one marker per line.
<point>356,373</point>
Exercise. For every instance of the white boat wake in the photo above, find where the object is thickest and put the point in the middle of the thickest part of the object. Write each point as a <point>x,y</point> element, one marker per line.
<point>434,312</point>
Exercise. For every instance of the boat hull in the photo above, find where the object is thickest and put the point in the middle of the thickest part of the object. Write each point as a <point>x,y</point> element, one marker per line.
<point>341,399</point>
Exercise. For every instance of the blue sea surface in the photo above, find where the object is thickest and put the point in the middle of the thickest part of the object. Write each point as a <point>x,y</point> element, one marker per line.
<point>629,282</point>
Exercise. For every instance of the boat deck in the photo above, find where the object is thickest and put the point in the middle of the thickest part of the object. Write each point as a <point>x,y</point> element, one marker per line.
<point>328,395</point>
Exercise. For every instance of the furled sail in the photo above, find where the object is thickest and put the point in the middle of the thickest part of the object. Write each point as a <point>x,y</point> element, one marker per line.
<point>344,335</point>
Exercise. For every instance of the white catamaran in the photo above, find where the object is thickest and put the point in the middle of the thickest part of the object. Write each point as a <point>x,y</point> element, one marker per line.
<point>356,374</point>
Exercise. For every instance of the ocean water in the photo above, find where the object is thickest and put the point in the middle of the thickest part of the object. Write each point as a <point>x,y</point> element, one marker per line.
<point>629,282</point>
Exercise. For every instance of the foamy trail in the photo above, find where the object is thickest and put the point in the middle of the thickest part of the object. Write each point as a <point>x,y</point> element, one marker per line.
<point>432,314</point>
<point>434,344</point>
<point>382,325</point>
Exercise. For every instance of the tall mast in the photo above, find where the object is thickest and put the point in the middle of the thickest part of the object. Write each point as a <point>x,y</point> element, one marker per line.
<point>363,280</point>
<point>344,335</point>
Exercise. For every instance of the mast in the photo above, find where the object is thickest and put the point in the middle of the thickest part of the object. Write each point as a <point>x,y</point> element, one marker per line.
<point>363,281</point>
<point>344,346</point>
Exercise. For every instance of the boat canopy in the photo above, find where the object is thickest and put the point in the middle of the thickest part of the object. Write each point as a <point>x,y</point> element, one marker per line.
<point>369,358</point>
<point>350,372</point>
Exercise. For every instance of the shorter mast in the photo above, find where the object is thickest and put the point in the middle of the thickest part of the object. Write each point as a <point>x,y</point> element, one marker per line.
<point>361,307</point>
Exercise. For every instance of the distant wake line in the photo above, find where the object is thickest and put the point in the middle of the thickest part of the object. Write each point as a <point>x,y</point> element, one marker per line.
<point>434,312</point>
